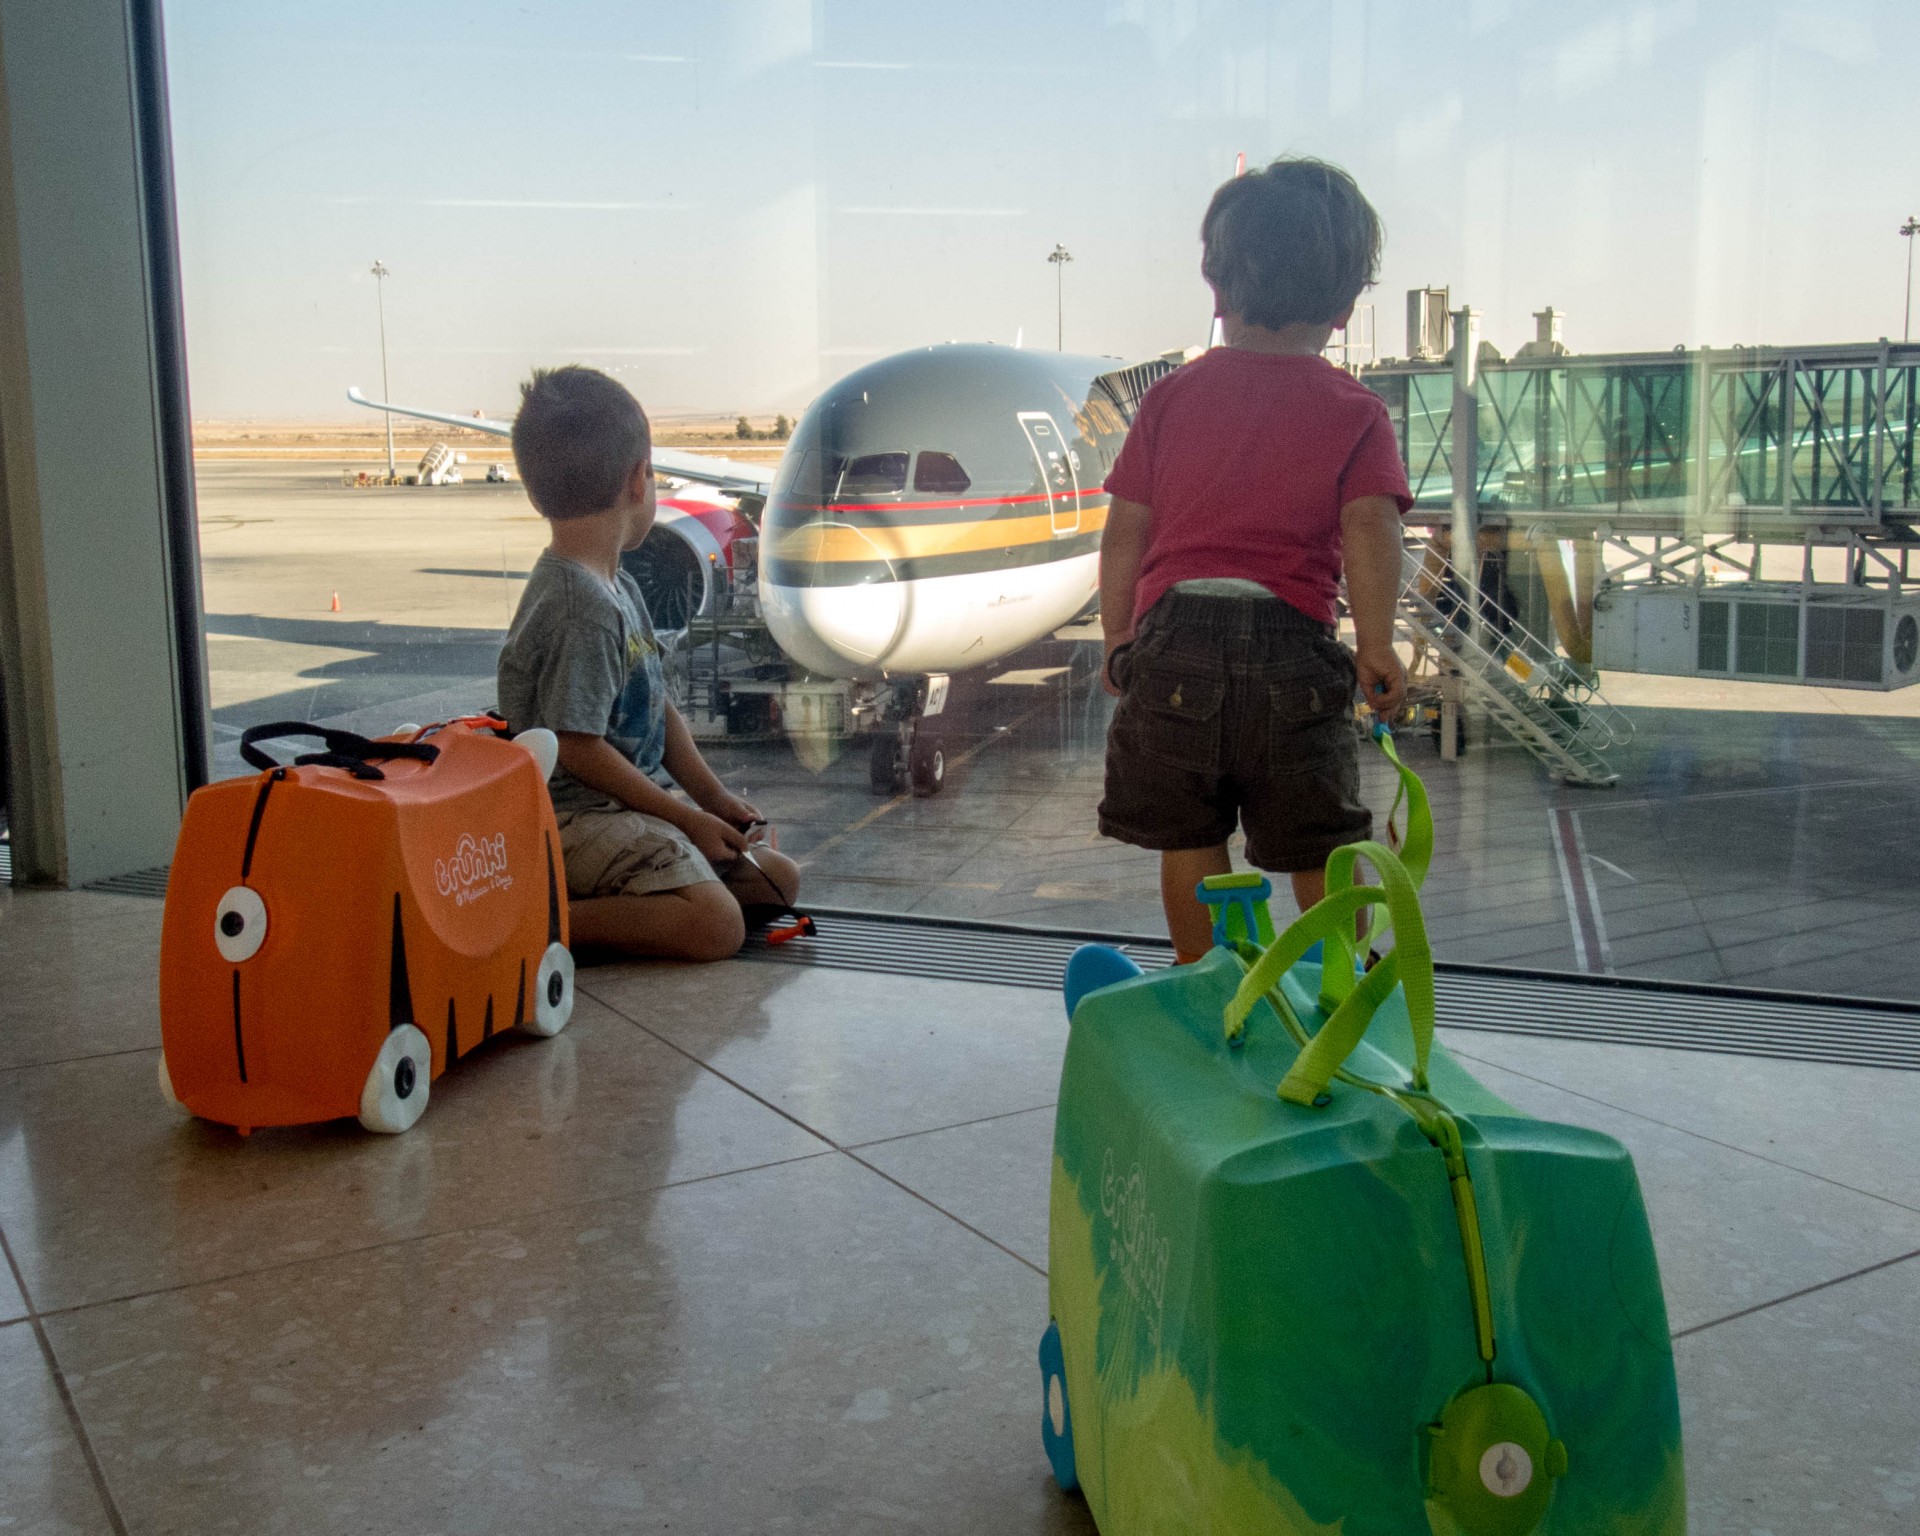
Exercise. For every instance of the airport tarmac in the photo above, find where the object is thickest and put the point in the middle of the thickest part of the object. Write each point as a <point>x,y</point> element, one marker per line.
<point>1762,835</point>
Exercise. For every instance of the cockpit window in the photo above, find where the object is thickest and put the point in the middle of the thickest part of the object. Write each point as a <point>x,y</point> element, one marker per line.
<point>940,473</point>
<point>809,474</point>
<point>874,474</point>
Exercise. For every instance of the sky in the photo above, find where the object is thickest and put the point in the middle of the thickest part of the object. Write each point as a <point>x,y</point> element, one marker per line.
<point>732,203</point>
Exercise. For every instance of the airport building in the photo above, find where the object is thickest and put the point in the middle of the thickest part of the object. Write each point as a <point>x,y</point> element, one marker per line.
<point>957,1196</point>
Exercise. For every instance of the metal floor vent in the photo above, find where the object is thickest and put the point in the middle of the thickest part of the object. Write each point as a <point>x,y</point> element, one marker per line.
<point>139,882</point>
<point>1005,955</point>
<point>6,863</point>
<point>1676,1016</point>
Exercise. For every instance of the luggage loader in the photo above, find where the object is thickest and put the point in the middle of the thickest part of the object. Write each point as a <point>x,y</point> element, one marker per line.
<point>339,930</point>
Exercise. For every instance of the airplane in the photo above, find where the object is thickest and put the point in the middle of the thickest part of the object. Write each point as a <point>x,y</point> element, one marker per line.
<point>933,512</point>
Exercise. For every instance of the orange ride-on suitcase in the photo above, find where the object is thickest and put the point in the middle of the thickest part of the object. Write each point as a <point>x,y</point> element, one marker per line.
<point>342,928</point>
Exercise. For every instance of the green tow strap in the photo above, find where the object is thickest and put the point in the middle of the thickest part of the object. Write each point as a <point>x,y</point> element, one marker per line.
<point>1417,851</point>
<point>1350,1001</point>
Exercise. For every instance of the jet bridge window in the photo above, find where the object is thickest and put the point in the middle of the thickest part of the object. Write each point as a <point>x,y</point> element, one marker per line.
<point>939,473</point>
<point>875,474</point>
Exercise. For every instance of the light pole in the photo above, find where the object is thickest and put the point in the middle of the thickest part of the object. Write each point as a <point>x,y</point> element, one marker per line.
<point>380,273</point>
<point>1909,229</point>
<point>1060,257</point>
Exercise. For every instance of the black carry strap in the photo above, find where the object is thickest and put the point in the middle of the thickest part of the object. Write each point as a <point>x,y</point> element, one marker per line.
<point>345,749</point>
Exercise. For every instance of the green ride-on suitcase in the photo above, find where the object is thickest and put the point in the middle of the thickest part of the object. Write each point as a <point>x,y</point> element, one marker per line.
<point>1308,1275</point>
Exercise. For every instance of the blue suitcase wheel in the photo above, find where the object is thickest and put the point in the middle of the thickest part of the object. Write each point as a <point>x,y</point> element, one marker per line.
<point>1056,1418</point>
<point>1092,967</point>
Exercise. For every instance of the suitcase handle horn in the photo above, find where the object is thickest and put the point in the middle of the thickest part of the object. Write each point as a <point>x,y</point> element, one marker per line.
<point>345,749</point>
<point>1330,923</point>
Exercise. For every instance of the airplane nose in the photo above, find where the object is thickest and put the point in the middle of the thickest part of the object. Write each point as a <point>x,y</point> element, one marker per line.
<point>830,629</point>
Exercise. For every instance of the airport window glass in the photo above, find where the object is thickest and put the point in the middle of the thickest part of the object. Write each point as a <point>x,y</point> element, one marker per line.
<point>940,474</point>
<point>1627,333</point>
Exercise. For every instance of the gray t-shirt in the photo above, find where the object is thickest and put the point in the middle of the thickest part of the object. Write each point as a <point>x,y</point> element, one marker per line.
<point>581,656</point>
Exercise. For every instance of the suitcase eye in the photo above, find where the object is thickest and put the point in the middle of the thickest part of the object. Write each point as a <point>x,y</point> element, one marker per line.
<point>240,923</point>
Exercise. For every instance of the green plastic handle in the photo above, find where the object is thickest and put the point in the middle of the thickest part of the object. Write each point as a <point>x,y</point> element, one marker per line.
<point>1330,922</point>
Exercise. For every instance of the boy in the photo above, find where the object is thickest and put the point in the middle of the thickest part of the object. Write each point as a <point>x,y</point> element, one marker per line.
<point>647,872</point>
<point>1249,479</point>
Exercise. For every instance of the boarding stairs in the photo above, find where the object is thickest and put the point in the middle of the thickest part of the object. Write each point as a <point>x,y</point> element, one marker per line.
<point>1549,705</point>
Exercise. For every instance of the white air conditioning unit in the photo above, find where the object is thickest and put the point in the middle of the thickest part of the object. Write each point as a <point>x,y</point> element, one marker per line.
<point>1839,636</point>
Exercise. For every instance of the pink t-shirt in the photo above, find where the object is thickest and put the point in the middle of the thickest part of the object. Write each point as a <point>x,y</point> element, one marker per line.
<point>1246,459</point>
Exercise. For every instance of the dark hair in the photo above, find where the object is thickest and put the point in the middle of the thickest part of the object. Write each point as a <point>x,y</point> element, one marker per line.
<point>1294,243</point>
<point>577,440</point>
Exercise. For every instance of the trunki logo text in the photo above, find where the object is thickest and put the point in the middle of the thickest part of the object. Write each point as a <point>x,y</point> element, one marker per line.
<point>1136,1248</point>
<point>478,865</point>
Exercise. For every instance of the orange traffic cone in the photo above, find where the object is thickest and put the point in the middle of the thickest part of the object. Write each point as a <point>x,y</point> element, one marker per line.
<point>335,606</point>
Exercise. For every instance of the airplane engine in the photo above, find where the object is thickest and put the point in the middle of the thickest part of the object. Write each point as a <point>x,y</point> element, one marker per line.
<point>696,552</point>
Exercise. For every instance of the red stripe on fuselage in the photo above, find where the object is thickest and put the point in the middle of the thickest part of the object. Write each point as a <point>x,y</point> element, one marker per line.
<point>931,506</point>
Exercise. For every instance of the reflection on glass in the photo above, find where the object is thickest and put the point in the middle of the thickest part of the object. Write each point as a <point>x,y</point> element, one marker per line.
<point>1664,531</point>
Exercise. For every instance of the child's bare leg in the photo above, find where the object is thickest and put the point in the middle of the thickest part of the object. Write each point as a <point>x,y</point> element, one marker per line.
<point>1190,923</point>
<point>695,922</point>
<point>1310,888</point>
<point>768,879</point>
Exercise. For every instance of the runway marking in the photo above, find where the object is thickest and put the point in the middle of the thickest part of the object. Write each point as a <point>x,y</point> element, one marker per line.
<point>1591,951</point>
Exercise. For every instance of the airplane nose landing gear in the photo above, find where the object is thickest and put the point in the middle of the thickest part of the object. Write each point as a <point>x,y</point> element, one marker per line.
<point>907,748</point>
<point>926,764</point>
<point>886,771</point>
<point>907,755</point>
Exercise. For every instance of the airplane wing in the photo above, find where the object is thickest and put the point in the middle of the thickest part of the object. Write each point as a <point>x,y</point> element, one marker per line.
<point>722,474</point>
<point>477,423</point>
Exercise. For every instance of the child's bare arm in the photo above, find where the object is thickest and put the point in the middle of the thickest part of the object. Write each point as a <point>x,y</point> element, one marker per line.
<point>1370,538</point>
<point>1122,547</point>
<point>691,772</point>
<point>598,764</point>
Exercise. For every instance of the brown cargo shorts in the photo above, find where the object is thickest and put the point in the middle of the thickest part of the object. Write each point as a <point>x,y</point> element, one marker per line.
<point>1234,712</point>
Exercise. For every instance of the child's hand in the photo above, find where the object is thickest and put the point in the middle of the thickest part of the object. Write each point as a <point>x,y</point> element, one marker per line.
<point>1383,681</point>
<point>719,841</point>
<point>732,808</point>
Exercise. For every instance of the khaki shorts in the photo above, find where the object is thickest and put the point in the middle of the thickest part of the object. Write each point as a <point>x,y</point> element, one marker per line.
<point>627,853</point>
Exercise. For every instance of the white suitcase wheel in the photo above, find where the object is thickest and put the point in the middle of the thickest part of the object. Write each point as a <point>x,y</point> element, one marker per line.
<point>543,746</point>
<point>396,1091</point>
<point>552,993</point>
<point>166,1086</point>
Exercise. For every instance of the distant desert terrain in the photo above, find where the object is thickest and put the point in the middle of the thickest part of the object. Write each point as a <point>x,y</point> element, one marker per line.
<point>366,441</point>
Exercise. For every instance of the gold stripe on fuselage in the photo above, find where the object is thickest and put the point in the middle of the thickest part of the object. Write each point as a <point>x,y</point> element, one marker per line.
<point>861,537</point>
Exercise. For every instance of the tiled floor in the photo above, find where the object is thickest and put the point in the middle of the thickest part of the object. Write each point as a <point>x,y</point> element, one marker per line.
<point>754,1248</point>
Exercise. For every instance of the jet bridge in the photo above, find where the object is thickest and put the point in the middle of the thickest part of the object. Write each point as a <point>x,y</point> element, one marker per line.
<point>1666,481</point>
<point>1766,443</point>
